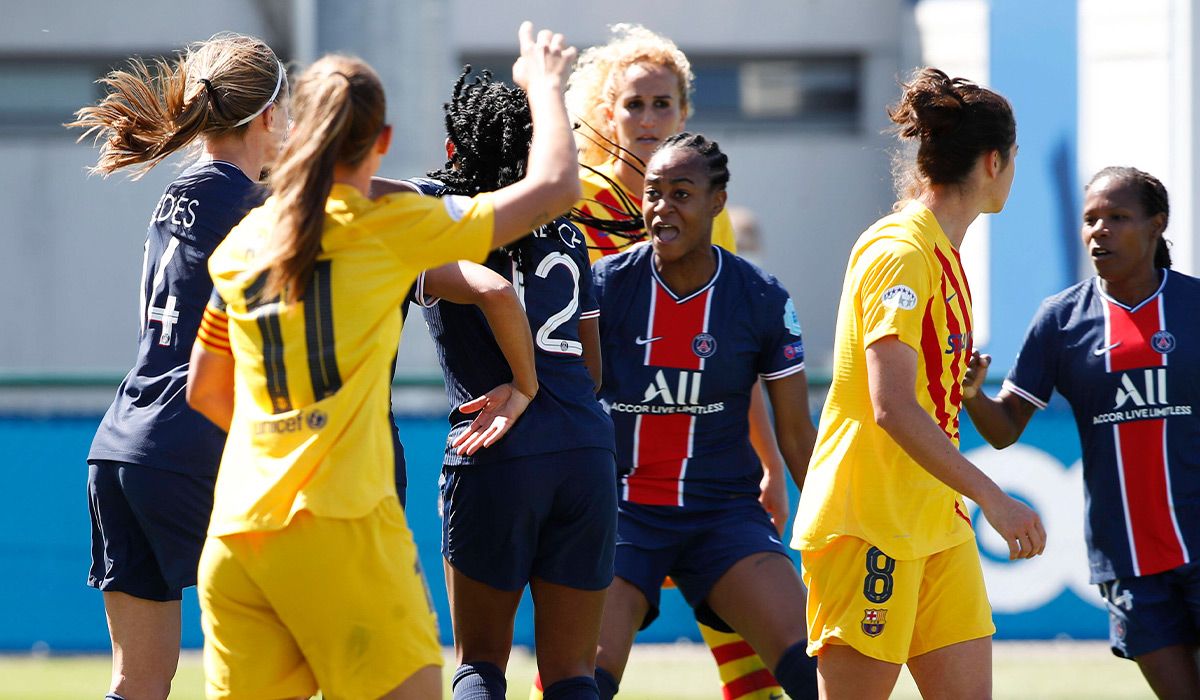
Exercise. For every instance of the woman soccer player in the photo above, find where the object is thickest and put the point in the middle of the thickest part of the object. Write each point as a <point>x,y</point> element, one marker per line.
<point>153,462</point>
<point>309,578</point>
<point>889,555</point>
<point>1121,348</point>
<point>686,330</point>
<point>627,96</point>
<point>548,488</point>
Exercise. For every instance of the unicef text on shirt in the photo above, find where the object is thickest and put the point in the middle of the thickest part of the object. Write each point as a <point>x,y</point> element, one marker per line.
<point>315,420</point>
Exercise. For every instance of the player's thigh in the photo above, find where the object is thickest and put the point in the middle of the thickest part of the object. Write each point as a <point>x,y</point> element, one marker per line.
<point>625,608</point>
<point>566,629</point>
<point>860,597</point>
<point>174,510</point>
<point>123,558</point>
<point>248,650</point>
<point>367,629</point>
<point>844,673</point>
<point>482,618</point>
<point>762,598</point>
<point>953,606</point>
<point>577,540</point>
<point>959,671</point>
<point>492,515</point>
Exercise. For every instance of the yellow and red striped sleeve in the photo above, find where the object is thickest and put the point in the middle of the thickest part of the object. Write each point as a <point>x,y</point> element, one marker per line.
<point>214,330</point>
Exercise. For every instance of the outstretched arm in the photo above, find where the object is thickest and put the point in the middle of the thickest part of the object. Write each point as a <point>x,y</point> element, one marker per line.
<point>1000,420</point>
<point>551,184</point>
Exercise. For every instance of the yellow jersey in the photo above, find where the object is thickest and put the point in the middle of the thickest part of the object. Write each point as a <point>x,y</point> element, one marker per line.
<point>904,279</point>
<point>608,199</point>
<point>311,426</point>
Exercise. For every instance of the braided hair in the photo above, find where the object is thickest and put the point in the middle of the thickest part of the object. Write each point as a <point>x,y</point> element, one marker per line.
<point>1154,201</point>
<point>716,161</point>
<point>491,128</point>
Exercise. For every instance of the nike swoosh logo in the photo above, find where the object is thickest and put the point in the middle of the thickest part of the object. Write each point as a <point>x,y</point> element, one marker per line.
<point>951,297</point>
<point>1106,348</point>
<point>774,539</point>
<point>646,341</point>
<point>776,696</point>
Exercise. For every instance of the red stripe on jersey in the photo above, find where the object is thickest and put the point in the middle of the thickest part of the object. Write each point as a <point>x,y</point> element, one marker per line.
<point>931,349</point>
<point>1148,506</point>
<point>1133,330</point>
<point>672,328</point>
<point>724,653</point>
<point>749,683</point>
<point>958,324</point>
<point>662,446</point>
<point>959,513</point>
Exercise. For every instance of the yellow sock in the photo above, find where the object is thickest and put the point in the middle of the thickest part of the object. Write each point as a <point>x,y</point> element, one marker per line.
<point>744,676</point>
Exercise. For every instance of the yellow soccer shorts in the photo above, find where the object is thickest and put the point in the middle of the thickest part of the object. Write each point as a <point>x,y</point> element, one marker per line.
<point>894,610</point>
<point>330,603</point>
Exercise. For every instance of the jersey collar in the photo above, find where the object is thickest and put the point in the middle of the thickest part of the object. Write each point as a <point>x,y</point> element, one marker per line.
<point>708,285</point>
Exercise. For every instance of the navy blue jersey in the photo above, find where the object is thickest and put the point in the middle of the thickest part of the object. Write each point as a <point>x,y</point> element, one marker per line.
<point>1132,377</point>
<point>549,270</point>
<point>149,422</point>
<point>678,374</point>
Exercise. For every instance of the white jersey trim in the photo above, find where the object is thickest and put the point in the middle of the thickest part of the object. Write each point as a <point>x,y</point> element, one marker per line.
<point>1027,395</point>
<point>772,376</point>
<point>698,292</point>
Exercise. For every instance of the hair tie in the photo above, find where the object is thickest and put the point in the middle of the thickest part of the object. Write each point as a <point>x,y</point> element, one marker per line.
<point>213,98</point>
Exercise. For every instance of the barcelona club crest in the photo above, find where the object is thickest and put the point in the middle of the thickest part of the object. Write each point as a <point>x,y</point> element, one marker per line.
<point>704,345</point>
<point>873,621</point>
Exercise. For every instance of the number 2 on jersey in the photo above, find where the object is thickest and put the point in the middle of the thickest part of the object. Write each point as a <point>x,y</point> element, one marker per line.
<point>543,337</point>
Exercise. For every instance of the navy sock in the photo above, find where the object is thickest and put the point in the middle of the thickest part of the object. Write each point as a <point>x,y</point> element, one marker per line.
<point>606,684</point>
<point>577,688</point>
<point>478,680</point>
<point>797,672</point>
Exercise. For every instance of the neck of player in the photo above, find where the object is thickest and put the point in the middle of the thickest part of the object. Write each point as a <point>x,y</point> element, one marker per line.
<point>690,272</point>
<point>1134,289</point>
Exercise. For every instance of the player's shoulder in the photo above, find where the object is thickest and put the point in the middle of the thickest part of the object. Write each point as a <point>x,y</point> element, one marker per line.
<point>747,275</point>
<point>628,262</point>
<point>1068,300</point>
<point>428,186</point>
<point>1183,283</point>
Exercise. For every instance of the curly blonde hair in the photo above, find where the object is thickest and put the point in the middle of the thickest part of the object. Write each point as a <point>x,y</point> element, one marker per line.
<point>593,86</point>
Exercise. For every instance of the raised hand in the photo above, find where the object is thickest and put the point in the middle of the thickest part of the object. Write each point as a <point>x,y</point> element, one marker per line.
<point>498,410</point>
<point>977,368</point>
<point>545,57</point>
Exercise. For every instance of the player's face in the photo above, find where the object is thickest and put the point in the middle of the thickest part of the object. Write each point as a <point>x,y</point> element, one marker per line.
<point>647,109</point>
<point>1003,182</point>
<point>679,204</point>
<point>1118,234</point>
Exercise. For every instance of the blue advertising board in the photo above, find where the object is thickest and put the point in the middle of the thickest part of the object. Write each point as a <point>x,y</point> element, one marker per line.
<point>44,538</point>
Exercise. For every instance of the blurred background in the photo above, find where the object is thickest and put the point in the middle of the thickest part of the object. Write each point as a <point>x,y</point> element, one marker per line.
<point>794,90</point>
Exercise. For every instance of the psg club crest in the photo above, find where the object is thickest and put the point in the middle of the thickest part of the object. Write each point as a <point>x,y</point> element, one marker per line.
<point>704,345</point>
<point>1163,342</point>
<point>873,621</point>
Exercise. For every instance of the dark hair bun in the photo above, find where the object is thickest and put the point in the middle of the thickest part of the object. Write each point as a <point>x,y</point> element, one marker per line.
<point>931,106</point>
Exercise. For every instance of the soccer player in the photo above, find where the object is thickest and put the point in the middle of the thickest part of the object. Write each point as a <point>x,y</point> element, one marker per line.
<point>1120,347</point>
<point>293,359</point>
<point>538,507</point>
<point>889,555</point>
<point>153,461</point>
<point>626,96</point>
<point>686,331</point>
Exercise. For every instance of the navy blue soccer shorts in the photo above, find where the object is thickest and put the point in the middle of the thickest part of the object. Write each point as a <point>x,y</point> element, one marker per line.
<point>551,516</point>
<point>1147,613</point>
<point>694,547</point>
<point>148,527</point>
